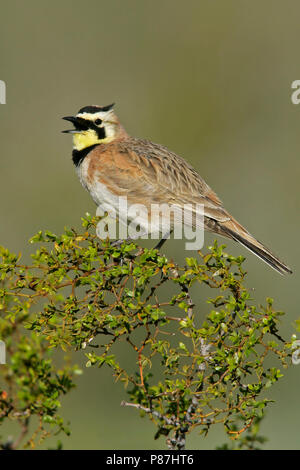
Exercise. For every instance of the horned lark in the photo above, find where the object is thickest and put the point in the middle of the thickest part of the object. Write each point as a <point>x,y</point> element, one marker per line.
<point>111,164</point>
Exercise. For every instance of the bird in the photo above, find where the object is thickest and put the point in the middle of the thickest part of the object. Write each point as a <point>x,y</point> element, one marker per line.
<point>112,164</point>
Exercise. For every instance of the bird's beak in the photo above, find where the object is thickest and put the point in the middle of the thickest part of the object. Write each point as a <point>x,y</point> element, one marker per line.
<point>74,120</point>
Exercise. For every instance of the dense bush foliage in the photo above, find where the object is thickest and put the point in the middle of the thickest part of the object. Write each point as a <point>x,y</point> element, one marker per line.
<point>190,369</point>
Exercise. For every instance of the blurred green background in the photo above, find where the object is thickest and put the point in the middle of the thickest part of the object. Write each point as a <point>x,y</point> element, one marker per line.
<point>210,80</point>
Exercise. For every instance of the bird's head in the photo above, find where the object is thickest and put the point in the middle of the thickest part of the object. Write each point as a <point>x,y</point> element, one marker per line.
<point>94,125</point>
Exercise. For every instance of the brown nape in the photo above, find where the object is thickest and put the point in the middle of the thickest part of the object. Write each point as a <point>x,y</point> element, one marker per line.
<point>121,133</point>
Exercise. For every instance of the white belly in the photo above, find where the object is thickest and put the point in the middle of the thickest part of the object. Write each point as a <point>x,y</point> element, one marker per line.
<point>98,191</point>
<point>101,195</point>
<point>118,207</point>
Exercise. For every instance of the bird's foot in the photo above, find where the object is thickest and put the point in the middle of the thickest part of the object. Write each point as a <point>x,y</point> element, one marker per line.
<point>120,242</point>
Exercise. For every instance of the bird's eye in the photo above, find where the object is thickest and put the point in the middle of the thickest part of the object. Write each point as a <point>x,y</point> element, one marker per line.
<point>98,121</point>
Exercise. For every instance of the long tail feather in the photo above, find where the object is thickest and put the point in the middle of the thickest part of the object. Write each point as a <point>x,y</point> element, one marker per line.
<point>239,234</point>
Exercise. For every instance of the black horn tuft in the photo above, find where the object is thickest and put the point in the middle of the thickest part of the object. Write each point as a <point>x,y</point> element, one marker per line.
<point>96,109</point>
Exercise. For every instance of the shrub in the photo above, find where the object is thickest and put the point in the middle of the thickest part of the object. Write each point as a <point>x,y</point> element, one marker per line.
<point>190,369</point>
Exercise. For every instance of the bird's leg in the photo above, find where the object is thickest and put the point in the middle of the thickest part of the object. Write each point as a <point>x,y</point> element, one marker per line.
<point>163,240</point>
